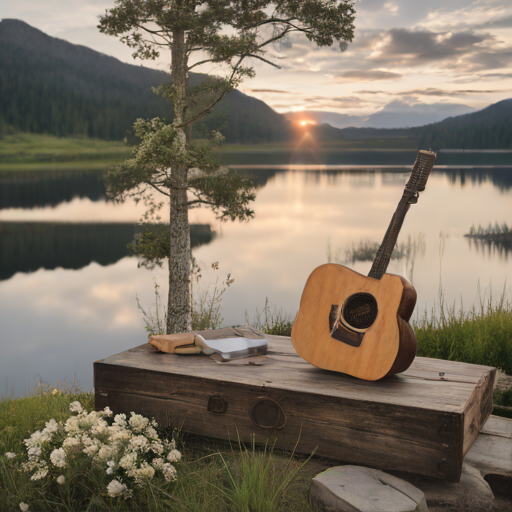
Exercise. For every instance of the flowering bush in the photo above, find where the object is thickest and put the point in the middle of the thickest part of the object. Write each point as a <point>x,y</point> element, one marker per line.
<point>128,450</point>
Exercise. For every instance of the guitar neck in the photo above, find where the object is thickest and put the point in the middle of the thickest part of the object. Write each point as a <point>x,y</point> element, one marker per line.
<point>416,183</point>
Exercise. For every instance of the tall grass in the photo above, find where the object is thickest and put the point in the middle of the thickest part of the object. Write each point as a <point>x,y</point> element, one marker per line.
<point>482,335</point>
<point>271,321</point>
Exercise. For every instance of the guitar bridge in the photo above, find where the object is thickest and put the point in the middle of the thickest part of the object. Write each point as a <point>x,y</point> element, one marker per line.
<point>341,333</point>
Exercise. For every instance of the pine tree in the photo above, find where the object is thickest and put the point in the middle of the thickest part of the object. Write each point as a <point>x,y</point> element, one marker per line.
<point>228,33</point>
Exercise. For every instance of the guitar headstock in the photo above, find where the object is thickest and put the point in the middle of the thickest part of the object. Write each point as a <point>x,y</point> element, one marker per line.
<point>421,171</point>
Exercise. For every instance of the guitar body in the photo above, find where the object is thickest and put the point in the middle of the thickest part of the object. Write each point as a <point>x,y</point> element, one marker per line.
<point>355,324</point>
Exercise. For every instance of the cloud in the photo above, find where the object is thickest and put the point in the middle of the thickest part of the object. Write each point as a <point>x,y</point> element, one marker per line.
<point>480,14</point>
<point>368,75</point>
<point>276,91</point>
<point>403,47</point>
<point>491,59</point>
<point>432,91</point>
<point>346,102</point>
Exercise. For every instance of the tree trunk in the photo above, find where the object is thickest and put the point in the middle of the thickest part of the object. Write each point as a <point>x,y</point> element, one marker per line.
<point>179,318</point>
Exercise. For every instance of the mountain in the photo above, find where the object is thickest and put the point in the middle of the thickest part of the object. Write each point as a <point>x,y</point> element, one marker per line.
<point>397,114</point>
<point>490,128</point>
<point>48,85</point>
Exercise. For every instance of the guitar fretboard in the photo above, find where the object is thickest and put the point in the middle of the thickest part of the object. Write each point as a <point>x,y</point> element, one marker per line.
<point>416,183</point>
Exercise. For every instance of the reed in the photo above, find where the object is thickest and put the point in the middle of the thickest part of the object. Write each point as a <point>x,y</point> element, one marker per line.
<point>271,321</point>
<point>481,335</point>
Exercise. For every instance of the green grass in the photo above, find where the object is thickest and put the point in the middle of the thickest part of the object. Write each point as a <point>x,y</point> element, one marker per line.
<point>213,475</point>
<point>482,335</point>
<point>30,151</point>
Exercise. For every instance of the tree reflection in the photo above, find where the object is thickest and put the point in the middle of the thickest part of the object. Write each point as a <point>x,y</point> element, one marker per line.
<point>29,246</point>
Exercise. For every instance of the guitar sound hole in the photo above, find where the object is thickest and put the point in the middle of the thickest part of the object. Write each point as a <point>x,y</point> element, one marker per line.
<point>360,311</point>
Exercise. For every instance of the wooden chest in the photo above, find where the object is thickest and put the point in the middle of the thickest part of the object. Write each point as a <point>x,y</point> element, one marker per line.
<point>421,421</point>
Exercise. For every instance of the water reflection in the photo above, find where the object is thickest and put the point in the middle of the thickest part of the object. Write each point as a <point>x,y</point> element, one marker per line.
<point>500,178</point>
<point>37,189</point>
<point>29,246</point>
<point>491,246</point>
<point>40,189</point>
<point>56,322</point>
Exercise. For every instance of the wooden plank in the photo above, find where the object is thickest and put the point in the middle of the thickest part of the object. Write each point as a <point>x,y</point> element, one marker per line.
<point>491,453</point>
<point>416,421</point>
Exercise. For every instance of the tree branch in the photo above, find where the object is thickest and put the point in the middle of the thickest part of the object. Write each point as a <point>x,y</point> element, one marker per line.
<point>157,188</point>
<point>264,60</point>
<point>199,63</point>
<point>198,201</point>
<point>223,93</point>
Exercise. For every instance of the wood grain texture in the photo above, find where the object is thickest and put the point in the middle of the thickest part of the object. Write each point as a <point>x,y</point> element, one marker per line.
<point>387,341</point>
<point>413,421</point>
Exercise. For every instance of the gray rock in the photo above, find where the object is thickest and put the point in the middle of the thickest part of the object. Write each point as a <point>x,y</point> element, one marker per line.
<point>359,489</point>
<point>491,452</point>
<point>471,494</point>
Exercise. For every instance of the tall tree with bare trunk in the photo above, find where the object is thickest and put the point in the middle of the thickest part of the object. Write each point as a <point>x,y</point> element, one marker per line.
<point>226,33</point>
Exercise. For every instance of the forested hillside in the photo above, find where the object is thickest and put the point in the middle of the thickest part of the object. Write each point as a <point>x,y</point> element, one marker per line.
<point>48,85</point>
<point>490,128</point>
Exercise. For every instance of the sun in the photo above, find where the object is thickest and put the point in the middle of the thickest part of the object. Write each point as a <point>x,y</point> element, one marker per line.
<point>305,122</point>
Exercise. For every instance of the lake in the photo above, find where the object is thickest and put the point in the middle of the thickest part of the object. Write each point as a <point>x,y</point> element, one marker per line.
<point>68,286</point>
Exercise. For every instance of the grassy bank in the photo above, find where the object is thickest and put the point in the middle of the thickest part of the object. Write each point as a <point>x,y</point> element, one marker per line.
<point>29,151</point>
<point>482,335</point>
<point>212,475</point>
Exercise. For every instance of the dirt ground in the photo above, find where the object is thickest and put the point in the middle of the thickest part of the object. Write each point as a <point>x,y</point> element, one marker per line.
<point>503,381</point>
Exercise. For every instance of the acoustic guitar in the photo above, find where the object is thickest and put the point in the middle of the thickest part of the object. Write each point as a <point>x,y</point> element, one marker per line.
<point>357,324</point>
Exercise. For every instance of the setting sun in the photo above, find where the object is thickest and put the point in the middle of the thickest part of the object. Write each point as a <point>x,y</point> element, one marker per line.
<point>305,122</point>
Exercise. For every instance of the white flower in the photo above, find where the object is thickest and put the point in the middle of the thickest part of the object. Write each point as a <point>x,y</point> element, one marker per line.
<point>106,452</point>
<point>36,439</point>
<point>90,450</point>
<point>61,480</point>
<point>58,457</point>
<point>76,407</point>
<point>174,456</point>
<point>70,442</point>
<point>51,427</point>
<point>116,434</point>
<point>40,473</point>
<point>99,427</point>
<point>157,447</point>
<point>120,420</point>
<point>169,472</point>
<point>71,426</point>
<point>146,472</point>
<point>23,507</point>
<point>10,455</point>
<point>34,452</point>
<point>139,443</point>
<point>107,411</point>
<point>151,433</point>
<point>116,488</point>
<point>88,420</point>
<point>158,463</point>
<point>138,422</point>
<point>111,466</point>
<point>128,461</point>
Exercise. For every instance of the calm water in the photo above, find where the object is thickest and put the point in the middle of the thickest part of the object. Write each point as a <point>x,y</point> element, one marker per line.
<point>68,286</point>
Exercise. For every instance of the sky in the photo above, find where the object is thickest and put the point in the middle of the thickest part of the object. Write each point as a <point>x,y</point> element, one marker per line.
<point>435,51</point>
